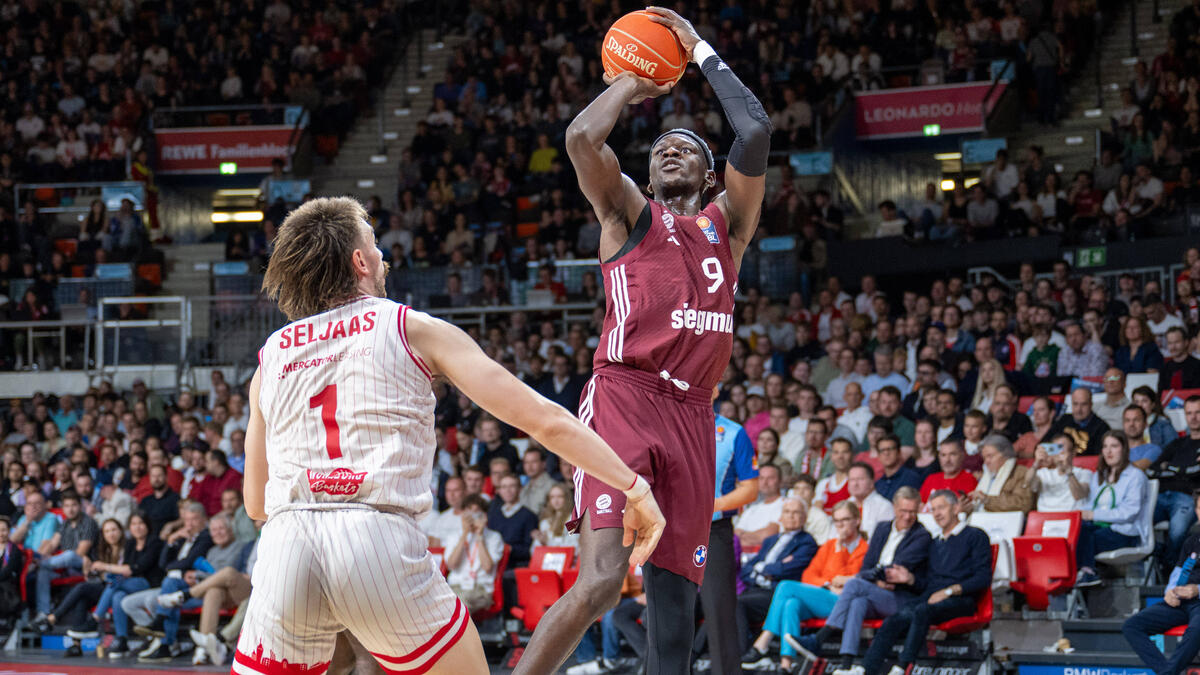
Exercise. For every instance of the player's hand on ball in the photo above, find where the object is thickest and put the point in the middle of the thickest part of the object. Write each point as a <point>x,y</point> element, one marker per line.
<point>644,524</point>
<point>688,37</point>
<point>643,87</point>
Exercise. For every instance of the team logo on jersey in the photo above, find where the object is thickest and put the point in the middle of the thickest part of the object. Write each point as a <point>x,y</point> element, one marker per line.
<point>720,434</point>
<point>669,221</point>
<point>700,556</point>
<point>604,504</point>
<point>709,229</point>
<point>339,482</point>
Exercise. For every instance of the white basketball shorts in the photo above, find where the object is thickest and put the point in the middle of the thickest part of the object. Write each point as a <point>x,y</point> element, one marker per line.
<point>322,571</point>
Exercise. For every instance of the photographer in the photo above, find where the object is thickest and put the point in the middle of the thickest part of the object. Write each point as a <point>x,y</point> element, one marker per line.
<point>472,556</point>
<point>1059,484</point>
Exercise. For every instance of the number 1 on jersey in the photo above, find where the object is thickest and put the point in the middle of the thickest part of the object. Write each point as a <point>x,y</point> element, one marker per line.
<point>327,402</point>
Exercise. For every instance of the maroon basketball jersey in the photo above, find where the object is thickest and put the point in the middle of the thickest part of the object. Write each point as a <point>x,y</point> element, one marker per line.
<point>670,298</point>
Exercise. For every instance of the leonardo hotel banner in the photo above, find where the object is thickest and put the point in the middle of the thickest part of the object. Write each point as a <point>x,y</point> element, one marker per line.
<point>203,150</point>
<point>922,111</point>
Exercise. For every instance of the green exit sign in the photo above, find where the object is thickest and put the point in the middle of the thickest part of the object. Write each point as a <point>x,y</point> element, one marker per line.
<point>1096,256</point>
<point>933,130</point>
<point>228,168</point>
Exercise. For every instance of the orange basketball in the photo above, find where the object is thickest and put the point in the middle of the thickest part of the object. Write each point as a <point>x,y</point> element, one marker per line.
<point>639,45</point>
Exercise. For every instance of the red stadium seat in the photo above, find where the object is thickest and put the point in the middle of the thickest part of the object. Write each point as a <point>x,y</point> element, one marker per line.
<point>1045,565</point>
<point>536,591</point>
<point>553,558</point>
<point>1177,630</point>
<point>498,593</point>
<point>1088,462</point>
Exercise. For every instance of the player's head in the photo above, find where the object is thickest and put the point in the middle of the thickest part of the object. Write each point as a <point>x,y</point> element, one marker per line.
<point>325,255</point>
<point>680,164</point>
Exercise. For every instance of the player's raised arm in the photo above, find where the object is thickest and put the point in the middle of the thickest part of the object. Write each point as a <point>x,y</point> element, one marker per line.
<point>451,352</point>
<point>746,168</point>
<point>612,194</point>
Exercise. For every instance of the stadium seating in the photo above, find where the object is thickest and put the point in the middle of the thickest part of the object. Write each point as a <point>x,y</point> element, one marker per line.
<point>1046,563</point>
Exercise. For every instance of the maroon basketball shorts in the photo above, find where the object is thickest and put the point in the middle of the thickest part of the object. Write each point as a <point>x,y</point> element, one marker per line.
<point>668,436</point>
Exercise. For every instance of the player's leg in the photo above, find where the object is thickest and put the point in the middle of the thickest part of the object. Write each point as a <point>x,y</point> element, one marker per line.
<point>349,656</point>
<point>670,621</point>
<point>386,590</point>
<point>603,564</point>
<point>288,618</point>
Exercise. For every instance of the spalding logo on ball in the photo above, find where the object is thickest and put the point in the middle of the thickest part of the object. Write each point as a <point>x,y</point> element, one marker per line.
<point>637,44</point>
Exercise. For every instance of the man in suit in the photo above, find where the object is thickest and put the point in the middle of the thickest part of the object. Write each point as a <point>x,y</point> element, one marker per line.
<point>782,556</point>
<point>893,572</point>
<point>960,568</point>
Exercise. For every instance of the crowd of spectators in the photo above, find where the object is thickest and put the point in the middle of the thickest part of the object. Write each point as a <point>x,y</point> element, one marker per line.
<point>486,180</point>
<point>83,82</point>
<point>1146,171</point>
<point>131,508</point>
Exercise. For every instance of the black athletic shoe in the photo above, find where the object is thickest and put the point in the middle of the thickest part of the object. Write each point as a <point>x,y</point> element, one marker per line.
<point>119,648</point>
<point>88,628</point>
<point>756,660</point>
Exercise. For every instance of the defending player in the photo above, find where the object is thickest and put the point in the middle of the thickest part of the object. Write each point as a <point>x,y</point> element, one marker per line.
<point>339,451</point>
<point>670,265</point>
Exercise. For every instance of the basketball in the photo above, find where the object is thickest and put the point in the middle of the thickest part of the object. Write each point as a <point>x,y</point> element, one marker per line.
<point>637,44</point>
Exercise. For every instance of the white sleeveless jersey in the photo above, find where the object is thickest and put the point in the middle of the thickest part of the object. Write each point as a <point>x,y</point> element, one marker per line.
<point>348,410</point>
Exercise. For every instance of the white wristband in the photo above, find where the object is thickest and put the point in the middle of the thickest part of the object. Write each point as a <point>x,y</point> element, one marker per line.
<point>639,490</point>
<point>701,52</point>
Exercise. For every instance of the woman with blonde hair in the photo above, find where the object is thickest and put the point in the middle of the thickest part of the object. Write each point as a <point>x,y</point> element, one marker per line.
<point>991,376</point>
<point>552,528</point>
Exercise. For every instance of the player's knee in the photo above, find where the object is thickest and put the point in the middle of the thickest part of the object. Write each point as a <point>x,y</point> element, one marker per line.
<point>600,592</point>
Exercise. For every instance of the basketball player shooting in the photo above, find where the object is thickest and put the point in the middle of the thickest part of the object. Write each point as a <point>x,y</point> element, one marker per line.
<point>670,264</point>
<point>339,456</point>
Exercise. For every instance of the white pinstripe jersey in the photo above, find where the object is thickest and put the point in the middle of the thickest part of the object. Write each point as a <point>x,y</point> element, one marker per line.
<point>348,410</point>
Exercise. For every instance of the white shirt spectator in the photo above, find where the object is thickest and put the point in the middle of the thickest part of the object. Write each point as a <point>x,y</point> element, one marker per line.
<point>856,421</point>
<point>792,443</point>
<point>1151,189</point>
<point>888,554</point>
<point>1160,328</point>
<point>875,510</point>
<point>1055,493</point>
<point>157,56</point>
<point>231,87</point>
<point>1004,181</point>
<point>444,525</point>
<point>835,392</point>
<point>469,572</point>
<point>30,127</point>
<point>759,515</point>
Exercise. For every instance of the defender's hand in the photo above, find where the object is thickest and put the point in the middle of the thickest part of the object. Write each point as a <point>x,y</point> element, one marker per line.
<point>644,524</point>
<point>643,88</point>
<point>683,28</point>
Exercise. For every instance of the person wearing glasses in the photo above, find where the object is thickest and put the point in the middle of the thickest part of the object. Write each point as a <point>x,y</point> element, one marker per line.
<point>1111,407</point>
<point>813,597</point>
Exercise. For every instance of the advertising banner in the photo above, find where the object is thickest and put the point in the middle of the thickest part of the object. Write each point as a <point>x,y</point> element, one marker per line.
<point>922,111</point>
<point>203,150</point>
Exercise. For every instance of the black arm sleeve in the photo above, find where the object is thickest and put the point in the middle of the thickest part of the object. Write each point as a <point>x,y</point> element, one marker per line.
<point>745,113</point>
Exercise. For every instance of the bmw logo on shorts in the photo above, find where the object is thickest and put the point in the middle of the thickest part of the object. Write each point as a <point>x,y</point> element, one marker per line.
<point>700,555</point>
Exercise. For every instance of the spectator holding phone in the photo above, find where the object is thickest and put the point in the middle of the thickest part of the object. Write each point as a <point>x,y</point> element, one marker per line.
<point>472,556</point>
<point>1059,484</point>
